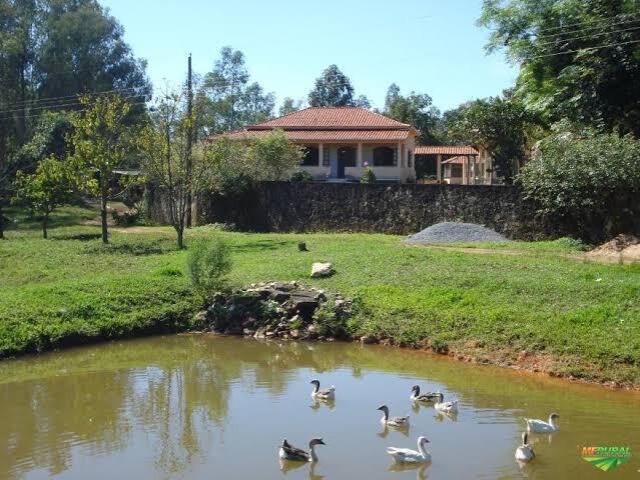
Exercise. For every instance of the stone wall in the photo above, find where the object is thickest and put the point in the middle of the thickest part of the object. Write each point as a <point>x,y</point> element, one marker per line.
<point>400,209</point>
<point>397,209</point>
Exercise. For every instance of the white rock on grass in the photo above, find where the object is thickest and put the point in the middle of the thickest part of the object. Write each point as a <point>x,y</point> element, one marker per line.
<point>321,270</point>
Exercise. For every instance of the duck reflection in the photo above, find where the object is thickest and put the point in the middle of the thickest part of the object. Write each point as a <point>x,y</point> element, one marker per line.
<point>287,466</point>
<point>442,416</point>
<point>386,429</point>
<point>420,469</point>
<point>317,403</point>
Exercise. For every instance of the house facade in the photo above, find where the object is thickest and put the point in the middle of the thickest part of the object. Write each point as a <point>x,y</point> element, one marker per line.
<point>341,141</point>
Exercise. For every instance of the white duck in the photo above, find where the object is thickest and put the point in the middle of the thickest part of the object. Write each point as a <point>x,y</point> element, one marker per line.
<point>327,394</point>
<point>289,452</point>
<point>425,397</point>
<point>524,453</point>
<point>540,426</point>
<point>405,455</point>
<point>399,422</point>
<point>446,407</point>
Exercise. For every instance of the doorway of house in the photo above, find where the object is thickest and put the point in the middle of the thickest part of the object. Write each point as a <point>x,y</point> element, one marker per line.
<point>346,158</point>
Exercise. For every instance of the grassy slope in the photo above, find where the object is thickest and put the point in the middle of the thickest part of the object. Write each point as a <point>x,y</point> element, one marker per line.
<point>586,314</point>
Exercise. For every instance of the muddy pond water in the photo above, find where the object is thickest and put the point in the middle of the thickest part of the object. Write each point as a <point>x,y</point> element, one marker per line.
<point>206,407</point>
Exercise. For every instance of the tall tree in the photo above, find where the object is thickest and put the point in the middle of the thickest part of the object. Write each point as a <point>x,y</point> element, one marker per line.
<point>289,105</point>
<point>102,139</point>
<point>229,100</point>
<point>332,89</point>
<point>414,109</point>
<point>500,125</point>
<point>363,102</point>
<point>579,59</point>
<point>82,50</point>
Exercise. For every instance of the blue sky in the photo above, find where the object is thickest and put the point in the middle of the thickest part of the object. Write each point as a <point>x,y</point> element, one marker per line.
<point>430,46</point>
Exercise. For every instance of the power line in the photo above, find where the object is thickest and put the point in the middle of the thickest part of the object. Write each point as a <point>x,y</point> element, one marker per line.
<point>581,50</point>
<point>69,103</point>
<point>11,117</point>
<point>50,99</point>
<point>585,29</point>
<point>569,25</point>
<point>571,39</point>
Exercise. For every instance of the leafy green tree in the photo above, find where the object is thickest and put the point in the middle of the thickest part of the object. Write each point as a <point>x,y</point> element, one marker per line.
<point>332,89</point>
<point>168,161</point>
<point>497,124</point>
<point>579,59</point>
<point>363,102</point>
<point>414,109</point>
<point>289,105</point>
<point>232,165</point>
<point>577,177</point>
<point>229,100</point>
<point>82,50</point>
<point>102,139</point>
<point>49,138</point>
<point>274,157</point>
<point>49,187</point>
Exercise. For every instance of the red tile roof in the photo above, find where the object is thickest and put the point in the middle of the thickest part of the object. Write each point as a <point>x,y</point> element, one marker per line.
<point>329,135</point>
<point>445,150</point>
<point>327,118</point>
<point>331,124</point>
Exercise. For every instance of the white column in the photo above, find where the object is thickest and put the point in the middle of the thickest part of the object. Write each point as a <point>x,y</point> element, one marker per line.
<point>439,168</point>
<point>359,159</point>
<point>321,155</point>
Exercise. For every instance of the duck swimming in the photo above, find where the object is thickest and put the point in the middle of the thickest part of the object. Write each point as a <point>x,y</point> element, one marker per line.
<point>327,394</point>
<point>289,452</point>
<point>540,426</point>
<point>446,407</point>
<point>524,453</point>
<point>425,397</point>
<point>401,422</point>
<point>405,455</point>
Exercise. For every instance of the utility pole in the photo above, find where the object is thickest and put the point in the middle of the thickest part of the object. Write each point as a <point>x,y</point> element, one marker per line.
<point>189,140</point>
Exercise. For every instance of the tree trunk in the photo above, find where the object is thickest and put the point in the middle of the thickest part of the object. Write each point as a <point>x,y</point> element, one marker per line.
<point>103,216</point>
<point>45,222</point>
<point>180,232</point>
<point>1,224</point>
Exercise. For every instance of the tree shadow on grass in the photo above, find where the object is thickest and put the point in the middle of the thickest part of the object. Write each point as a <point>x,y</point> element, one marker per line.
<point>262,245</point>
<point>83,237</point>
<point>134,249</point>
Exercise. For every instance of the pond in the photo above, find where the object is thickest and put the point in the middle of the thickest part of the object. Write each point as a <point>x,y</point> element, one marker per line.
<point>204,407</point>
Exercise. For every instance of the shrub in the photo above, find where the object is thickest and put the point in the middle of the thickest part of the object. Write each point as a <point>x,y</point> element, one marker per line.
<point>367,175</point>
<point>125,218</point>
<point>576,176</point>
<point>208,263</point>
<point>301,176</point>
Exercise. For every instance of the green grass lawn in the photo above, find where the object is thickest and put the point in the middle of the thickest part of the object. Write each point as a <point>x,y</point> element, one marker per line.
<point>585,316</point>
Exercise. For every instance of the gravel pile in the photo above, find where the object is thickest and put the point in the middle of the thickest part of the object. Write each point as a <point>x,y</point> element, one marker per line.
<point>449,232</point>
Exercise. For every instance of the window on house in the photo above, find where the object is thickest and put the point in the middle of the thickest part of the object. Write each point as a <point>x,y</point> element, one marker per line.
<point>456,171</point>
<point>326,159</point>
<point>384,157</point>
<point>311,157</point>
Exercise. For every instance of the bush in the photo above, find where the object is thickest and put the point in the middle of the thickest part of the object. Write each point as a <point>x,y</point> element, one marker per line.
<point>301,176</point>
<point>125,218</point>
<point>368,176</point>
<point>577,176</point>
<point>208,263</point>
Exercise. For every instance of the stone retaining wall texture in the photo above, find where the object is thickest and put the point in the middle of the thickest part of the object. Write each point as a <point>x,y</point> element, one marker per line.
<point>401,209</point>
